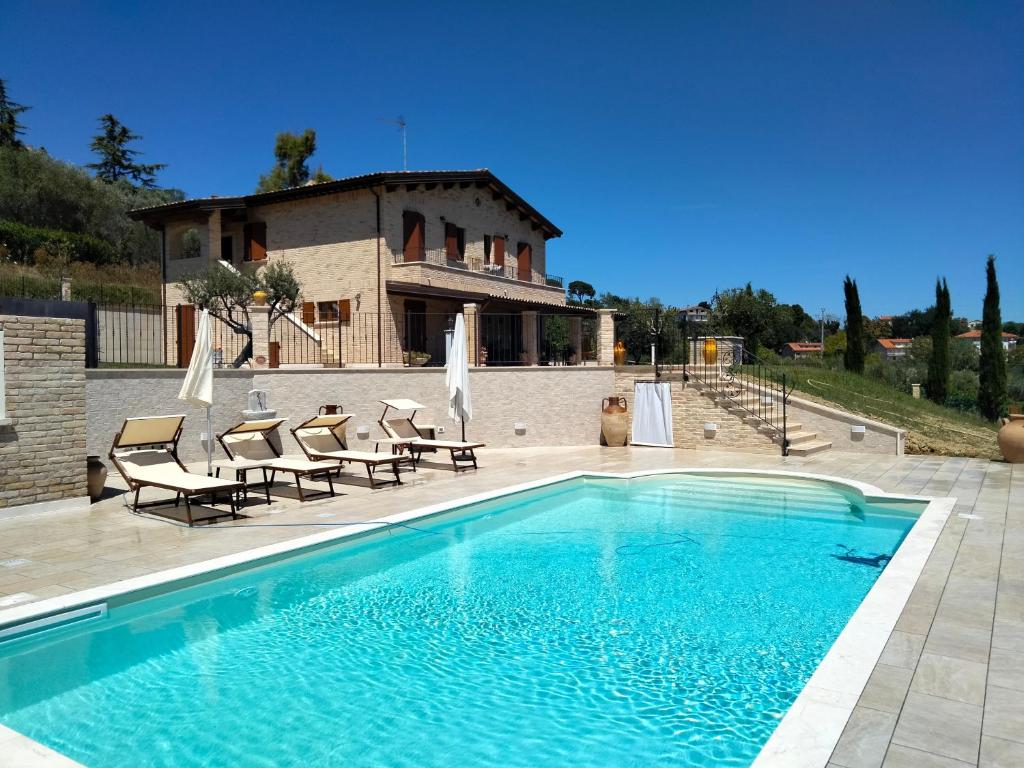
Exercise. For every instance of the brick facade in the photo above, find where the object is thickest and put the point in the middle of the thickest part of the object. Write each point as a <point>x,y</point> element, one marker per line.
<point>331,242</point>
<point>42,449</point>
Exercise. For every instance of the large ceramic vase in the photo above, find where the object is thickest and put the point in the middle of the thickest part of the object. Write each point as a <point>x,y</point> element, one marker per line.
<point>1011,439</point>
<point>613,421</point>
<point>710,351</point>
<point>96,477</point>
<point>619,353</point>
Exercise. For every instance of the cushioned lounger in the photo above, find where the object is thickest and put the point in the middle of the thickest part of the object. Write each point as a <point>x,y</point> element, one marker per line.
<point>323,438</point>
<point>253,445</point>
<point>141,454</point>
<point>462,452</point>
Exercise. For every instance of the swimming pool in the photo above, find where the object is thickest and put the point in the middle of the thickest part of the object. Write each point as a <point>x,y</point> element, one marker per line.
<point>662,620</point>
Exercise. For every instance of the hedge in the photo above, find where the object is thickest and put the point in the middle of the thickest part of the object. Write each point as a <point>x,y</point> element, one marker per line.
<point>21,242</point>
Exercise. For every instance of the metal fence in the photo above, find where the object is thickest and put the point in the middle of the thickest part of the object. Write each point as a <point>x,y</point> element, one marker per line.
<point>143,334</point>
<point>509,268</point>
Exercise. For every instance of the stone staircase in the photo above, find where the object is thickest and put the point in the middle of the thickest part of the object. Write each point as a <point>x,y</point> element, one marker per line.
<point>722,391</point>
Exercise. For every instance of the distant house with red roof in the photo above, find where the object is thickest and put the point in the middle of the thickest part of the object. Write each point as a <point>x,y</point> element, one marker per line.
<point>1009,339</point>
<point>893,349</point>
<point>799,349</point>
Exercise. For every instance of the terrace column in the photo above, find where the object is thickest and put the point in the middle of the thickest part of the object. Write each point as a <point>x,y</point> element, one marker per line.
<point>606,336</point>
<point>576,337</point>
<point>260,317</point>
<point>213,236</point>
<point>469,313</point>
<point>530,337</point>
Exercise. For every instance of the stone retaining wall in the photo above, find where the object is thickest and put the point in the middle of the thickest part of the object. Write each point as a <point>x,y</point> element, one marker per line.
<point>558,405</point>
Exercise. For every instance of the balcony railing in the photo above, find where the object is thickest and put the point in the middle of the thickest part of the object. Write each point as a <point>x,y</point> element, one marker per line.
<point>439,256</point>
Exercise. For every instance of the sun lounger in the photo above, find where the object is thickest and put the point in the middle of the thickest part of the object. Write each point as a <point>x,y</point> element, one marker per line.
<point>461,452</point>
<point>251,445</point>
<point>320,438</point>
<point>145,452</point>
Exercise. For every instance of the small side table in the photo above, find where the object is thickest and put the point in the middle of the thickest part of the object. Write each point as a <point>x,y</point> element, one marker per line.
<point>399,445</point>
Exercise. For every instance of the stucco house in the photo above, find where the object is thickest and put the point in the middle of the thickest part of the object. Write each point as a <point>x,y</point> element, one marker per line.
<point>893,349</point>
<point>1009,339</point>
<point>801,349</point>
<point>385,261</point>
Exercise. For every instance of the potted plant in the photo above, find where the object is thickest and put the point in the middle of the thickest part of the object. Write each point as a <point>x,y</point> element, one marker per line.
<point>416,359</point>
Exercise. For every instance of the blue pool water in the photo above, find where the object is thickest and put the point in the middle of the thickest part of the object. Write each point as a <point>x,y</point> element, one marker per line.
<point>668,620</point>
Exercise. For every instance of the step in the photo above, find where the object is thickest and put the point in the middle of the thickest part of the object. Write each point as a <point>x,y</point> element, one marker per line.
<point>798,436</point>
<point>809,449</point>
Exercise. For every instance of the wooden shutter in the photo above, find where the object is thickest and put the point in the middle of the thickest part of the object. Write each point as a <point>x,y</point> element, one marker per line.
<point>255,233</point>
<point>451,241</point>
<point>186,333</point>
<point>344,310</point>
<point>524,262</point>
<point>308,312</point>
<point>499,250</point>
<point>414,234</point>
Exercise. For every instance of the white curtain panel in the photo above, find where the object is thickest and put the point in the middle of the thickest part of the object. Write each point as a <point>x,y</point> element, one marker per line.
<point>652,414</point>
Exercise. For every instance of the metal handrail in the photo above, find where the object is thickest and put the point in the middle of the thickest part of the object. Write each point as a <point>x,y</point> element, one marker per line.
<point>477,265</point>
<point>753,391</point>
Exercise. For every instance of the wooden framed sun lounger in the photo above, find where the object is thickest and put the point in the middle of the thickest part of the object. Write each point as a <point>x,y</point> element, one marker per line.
<point>461,452</point>
<point>250,445</point>
<point>320,439</point>
<point>141,454</point>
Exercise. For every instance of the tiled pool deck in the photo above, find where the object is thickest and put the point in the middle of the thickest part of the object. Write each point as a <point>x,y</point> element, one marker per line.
<point>947,691</point>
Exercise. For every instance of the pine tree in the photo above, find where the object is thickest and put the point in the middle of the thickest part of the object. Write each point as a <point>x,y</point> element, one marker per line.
<point>939,363</point>
<point>853,357</point>
<point>117,159</point>
<point>992,365</point>
<point>10,128</point>
<point>291,151</point>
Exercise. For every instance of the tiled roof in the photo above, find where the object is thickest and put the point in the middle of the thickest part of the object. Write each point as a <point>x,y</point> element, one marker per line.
<point>894,343</point>
<point>804,346</point>
<point>977,335</point>
<point>480,177</point>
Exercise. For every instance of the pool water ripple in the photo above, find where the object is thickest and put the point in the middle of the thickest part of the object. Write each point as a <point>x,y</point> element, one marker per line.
<point>665,621</point>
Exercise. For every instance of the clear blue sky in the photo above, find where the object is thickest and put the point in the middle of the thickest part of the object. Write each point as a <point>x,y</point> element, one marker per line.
<point>683,147</point>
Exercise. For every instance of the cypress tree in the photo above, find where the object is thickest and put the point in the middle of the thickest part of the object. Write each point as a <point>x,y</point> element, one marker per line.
<point>938,363</point>
<point>853,357</point>
<point>992,365</point>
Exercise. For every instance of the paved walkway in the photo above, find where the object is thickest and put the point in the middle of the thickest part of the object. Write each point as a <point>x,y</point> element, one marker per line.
<point>947,691</point>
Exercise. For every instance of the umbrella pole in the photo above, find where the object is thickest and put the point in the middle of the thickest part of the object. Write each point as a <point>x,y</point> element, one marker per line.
<point>463,429</point>
<point>209,443</point>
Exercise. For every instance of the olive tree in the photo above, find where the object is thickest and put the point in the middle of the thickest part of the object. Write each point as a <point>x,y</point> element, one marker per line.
<point>228,295</point>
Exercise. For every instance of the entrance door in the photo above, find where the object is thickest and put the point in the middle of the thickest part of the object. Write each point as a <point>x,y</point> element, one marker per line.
<point>415,326</point>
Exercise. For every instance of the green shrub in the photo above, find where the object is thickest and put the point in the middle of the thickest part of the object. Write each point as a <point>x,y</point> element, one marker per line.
<point>114,293</point>
<point>23,244</point>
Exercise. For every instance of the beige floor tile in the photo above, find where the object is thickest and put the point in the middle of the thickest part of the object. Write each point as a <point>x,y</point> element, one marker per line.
<point>940,726</point>
<point>1000,753</point>
<point>950,678</point>
<point>902,650</point>
<point>886,688</point>
<point>865,739</point>
<point>1004,714</point>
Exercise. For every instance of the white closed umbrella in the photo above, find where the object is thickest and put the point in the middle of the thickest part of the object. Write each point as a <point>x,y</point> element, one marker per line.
<point>456,377</point>
<point>197,389</point>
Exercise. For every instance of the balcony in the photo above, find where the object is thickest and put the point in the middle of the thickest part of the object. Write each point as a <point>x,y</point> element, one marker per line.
<point>473,273</point>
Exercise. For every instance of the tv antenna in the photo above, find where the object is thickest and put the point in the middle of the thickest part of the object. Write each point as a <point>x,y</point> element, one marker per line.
<point>400,122</point>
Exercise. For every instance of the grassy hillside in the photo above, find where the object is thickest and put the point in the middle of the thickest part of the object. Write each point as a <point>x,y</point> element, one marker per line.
<point>930,428</point>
